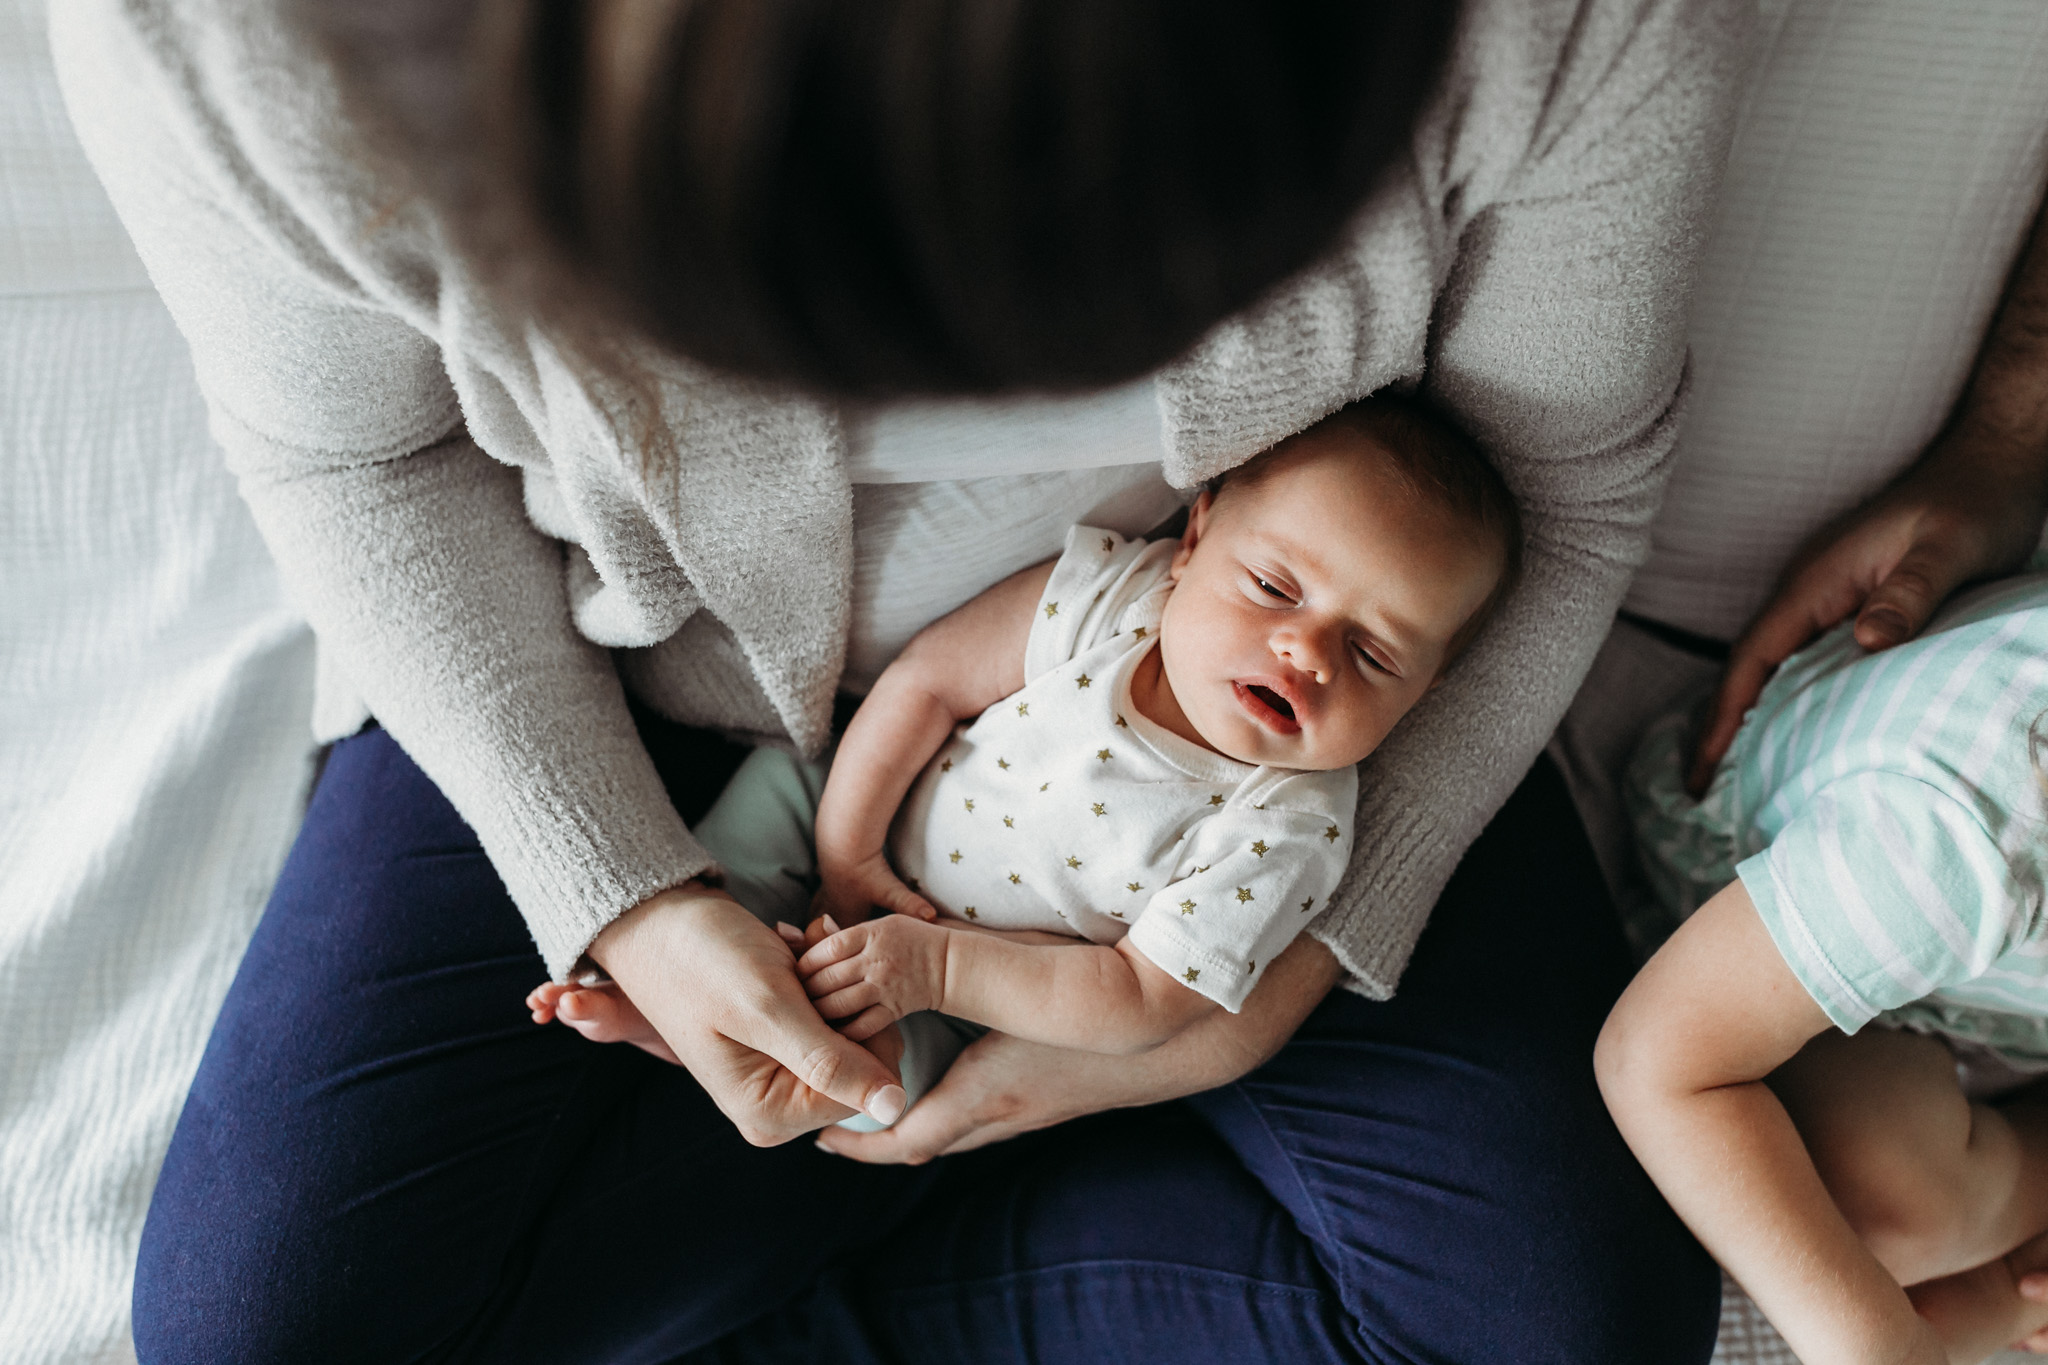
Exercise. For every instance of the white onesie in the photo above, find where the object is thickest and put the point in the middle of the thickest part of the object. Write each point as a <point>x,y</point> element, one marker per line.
<point>1062,808</point>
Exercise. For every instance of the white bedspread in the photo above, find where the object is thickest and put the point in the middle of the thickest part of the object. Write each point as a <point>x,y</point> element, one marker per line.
<point>154,737</point>
<point>155,687</point>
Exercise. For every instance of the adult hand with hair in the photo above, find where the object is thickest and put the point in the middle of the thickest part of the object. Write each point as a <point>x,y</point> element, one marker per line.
<point>1971,507</point>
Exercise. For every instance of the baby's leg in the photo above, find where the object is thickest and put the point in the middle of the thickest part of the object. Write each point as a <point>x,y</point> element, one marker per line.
<point>595,1007</point>
<point>1940,1189</point>
<point>599,1012</point>
<point>760,830</point>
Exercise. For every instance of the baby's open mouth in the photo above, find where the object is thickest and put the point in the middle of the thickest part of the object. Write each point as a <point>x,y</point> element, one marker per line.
<point>1271,698</point>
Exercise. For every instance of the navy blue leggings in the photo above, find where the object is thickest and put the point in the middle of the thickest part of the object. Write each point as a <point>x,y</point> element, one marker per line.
<point>383,1160</point>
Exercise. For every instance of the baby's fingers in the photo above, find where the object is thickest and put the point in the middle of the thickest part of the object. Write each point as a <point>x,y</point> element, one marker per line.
<point>842,945</point>
<point>851,1000</point>
<point>868,1023</point>
<point>837,976</point>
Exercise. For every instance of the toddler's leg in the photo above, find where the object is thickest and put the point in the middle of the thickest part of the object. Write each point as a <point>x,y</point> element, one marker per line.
<point>1940,1189</point>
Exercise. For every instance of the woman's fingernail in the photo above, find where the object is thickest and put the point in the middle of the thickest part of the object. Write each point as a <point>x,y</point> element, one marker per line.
<point>2034,1287</point>
<point>789,931</point>
<point>886,1105</point>
<point>831,925</point>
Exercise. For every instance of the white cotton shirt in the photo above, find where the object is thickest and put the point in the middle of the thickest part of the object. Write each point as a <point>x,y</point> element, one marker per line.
<point>1062,808</point>
<point>951,496</point>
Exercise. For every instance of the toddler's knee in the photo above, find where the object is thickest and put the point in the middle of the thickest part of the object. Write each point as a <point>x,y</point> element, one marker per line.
<point>1908,1205</point>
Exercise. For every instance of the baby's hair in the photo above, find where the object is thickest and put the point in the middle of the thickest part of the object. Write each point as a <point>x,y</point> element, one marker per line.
<point>1438,463</point>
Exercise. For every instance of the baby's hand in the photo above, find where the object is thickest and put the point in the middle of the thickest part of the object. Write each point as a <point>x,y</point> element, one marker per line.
<point>851,890</point>
<point>875,973</point>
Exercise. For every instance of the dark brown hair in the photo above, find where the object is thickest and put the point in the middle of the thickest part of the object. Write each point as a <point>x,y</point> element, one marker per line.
<point>1441,465</point>
<point>887,197</point>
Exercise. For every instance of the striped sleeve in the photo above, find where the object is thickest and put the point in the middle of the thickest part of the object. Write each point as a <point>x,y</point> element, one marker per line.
<point>1884,890</point>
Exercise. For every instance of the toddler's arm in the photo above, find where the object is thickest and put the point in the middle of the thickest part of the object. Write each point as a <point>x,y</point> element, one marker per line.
<point>1681,1063</point>
<point>1075,995</point>
<point>955,668</point>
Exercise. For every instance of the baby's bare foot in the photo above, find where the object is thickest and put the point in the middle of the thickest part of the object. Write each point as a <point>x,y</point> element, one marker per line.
<point>601,1013</point>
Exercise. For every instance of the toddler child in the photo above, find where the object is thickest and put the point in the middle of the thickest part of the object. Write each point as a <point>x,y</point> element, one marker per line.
<point>1871,852</point>
<point>1157,788</point>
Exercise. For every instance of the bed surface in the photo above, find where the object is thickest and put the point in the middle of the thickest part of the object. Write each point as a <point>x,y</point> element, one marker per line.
<point>155,685</point>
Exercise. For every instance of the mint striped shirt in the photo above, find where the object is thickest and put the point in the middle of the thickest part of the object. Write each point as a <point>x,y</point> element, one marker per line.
<point>1890,827</point>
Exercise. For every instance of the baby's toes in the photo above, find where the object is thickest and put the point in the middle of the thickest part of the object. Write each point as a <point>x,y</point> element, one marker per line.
<point>543,999</point>
<point>605,1015</point>
<point>594,1014</point>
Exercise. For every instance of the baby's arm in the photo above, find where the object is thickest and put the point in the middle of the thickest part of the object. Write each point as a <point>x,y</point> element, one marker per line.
<point>956,668</point>
<point>1076,995</point>
<point>1682,1062</point>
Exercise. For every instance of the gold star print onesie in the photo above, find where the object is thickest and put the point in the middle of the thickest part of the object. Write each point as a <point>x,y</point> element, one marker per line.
<point>1061,808</point>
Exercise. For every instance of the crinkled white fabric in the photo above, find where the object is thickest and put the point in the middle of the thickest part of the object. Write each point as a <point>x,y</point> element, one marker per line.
<point>154,692</point>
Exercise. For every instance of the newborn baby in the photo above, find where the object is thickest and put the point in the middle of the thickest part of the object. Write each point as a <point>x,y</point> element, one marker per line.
<point>1157,788</point>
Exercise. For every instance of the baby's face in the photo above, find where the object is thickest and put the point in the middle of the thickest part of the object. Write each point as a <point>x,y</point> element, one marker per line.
<point>1315,605</point>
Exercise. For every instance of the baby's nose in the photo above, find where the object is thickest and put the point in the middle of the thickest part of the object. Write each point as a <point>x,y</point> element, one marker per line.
<point>1305,652</point>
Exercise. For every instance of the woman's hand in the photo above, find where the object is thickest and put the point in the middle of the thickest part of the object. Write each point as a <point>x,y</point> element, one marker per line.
<point>1002,1086</point>
<point>721,989</point>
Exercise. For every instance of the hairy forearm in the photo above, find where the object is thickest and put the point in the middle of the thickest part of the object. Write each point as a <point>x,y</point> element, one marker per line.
<point>1736,1171</point>
<point>2002,420</point>
<point>1087,997</point>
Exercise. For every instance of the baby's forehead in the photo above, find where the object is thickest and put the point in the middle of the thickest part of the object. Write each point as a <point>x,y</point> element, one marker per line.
<point>1273,490</point>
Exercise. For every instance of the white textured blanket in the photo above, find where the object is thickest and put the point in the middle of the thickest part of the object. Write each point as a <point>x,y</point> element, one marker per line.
<point>154,686</point>
<point>154,737</point>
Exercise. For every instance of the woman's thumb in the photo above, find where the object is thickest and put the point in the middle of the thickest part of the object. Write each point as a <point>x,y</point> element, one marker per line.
<point>835,1066</point>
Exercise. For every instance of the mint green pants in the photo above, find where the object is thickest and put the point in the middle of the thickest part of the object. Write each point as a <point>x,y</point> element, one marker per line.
<point>760,830</point>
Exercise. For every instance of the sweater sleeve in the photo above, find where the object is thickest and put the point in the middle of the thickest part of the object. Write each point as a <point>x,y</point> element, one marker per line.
<point>408,548</point>
<point>1559,341</point>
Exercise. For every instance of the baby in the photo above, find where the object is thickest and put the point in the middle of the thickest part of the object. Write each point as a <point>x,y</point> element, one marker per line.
<point>1872,852</point>
<point>1157,788</point>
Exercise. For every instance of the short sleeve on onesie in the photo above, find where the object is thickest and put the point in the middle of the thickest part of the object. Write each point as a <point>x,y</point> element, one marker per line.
<point>1101,586</point>
<point>1884,890</point>
<point>1064,808</point>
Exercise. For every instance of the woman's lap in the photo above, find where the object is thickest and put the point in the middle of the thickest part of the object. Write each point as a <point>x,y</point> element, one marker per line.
<point>382,1159</point>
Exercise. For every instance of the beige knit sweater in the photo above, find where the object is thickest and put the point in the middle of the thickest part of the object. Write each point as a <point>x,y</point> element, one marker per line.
<point>468,522</point>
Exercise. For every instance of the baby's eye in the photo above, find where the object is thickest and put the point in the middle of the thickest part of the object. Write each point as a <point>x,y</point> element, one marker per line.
<point>1367,657</point>
<point>1270,590</point>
